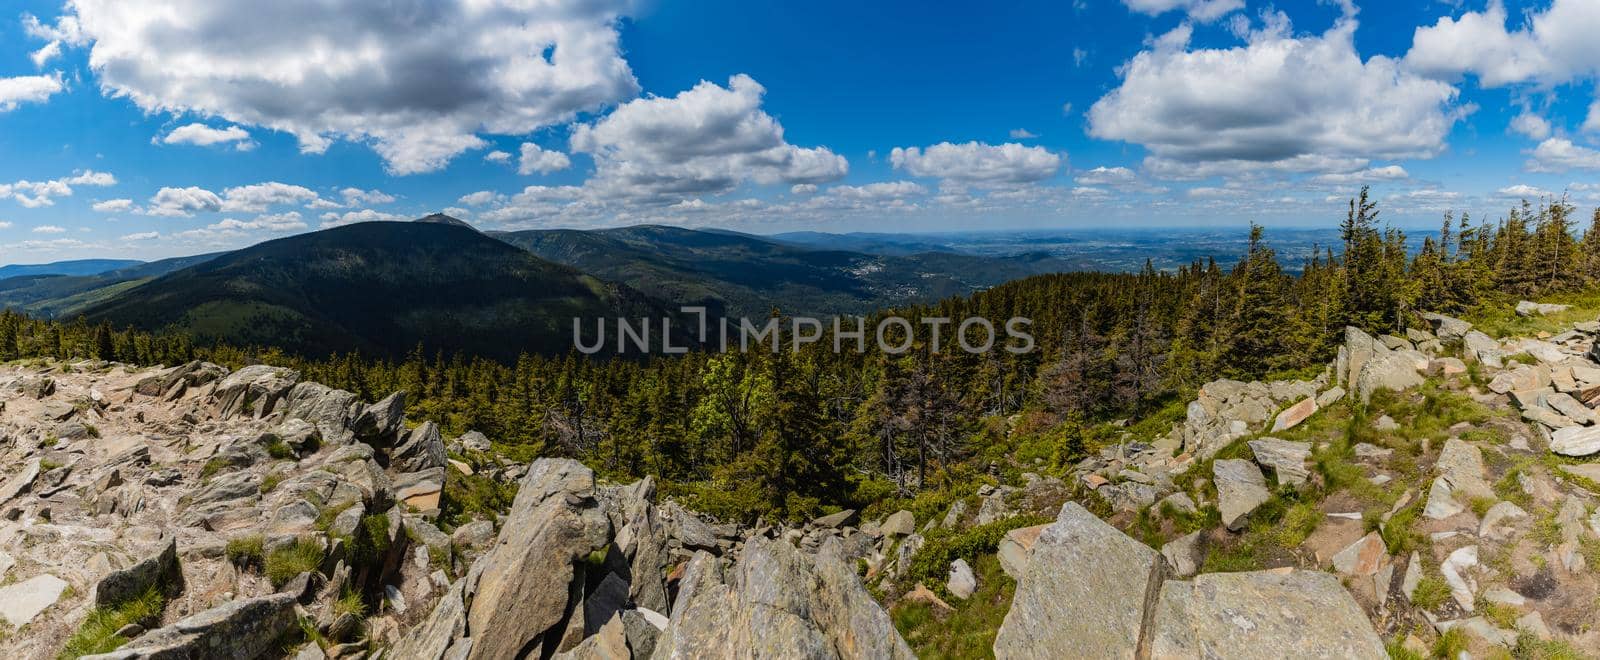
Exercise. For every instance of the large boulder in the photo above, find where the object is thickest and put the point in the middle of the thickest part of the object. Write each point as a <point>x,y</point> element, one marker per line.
<point>245,629</point>
<point>1282,613</point>
<point>1460,478</point>
<point>379,423</point>
<point>423,449</point>
<point>331,411</point>
<point>522,596</point>
<point>777,602</point>
<point>1084,593</point>
<point>254,390</point>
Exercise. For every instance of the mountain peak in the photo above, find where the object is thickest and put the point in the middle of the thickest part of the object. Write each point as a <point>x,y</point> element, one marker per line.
<point>442,219</point>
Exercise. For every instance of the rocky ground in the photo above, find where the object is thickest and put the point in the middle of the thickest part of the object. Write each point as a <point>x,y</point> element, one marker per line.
<point>1427,494</point>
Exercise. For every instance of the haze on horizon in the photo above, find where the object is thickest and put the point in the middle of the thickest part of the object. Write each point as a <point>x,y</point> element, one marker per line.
<point>153,128</point>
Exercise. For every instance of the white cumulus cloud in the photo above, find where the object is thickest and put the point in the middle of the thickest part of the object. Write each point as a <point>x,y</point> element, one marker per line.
<point>978,163</point>
<point>537,160</point>
<point>18,90</point>
<point>202,135</point>
<point>706,140</point>
<point>34,194</point>
<point>1560,155</point>
<point>1278,102</point>
<point>419,81</point>
<point>113,206</point>
<point>1554,46</point>
<point>183,202</point>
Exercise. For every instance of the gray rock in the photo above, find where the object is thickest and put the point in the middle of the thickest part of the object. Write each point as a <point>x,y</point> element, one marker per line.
<point>331,411</point>
<point>1497,520</point>
<point>228,487</point>
<point>1287,459</point>
<point>1484,349</point>
<point>22,601</point>
<point>1084,593</point>
<point>1262,614</point>
<point>962,582</point>
<point>1530,308</point>
<point>423,449</point>
<point>1240,489</point>
<point>1183,554</point>
<point>21,481</point>
<point>1446,327</point>
<point>446,623</point>
<point>377,424</point>
<point>254,390</point>
<point>160,571</point>
<point>641,632</point>
<point>555,522</point>
<point>838,519</point>
<point>778,602</point>
<point>474,441</point>
<point>473,534</point>
<point>900,523</point>
<point>1571,441</point>
<point>420,490</point>
<point>609,642</point>
<point>245,629</point>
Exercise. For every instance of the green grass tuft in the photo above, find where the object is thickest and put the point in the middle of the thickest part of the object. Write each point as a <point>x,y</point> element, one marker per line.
<point>98,632</point>
<point>302,556</point>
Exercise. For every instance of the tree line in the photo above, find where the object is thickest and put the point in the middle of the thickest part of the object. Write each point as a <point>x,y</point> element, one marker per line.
<point>785,434</point>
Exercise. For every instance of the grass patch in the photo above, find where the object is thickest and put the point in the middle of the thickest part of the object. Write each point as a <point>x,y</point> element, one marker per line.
<point>270,481</point>
<point>1451,644</point>
<point>1502,616</point>
<point>279,449</point>
<point>98,632</point>
<point>283,564</point>
<point>213,466</point>
<point>931,564</point>
<point>470,497</point>
<point>1530,647</point>
<point>1431,593</point>
<point>246,550</point>
<point>969,630</point>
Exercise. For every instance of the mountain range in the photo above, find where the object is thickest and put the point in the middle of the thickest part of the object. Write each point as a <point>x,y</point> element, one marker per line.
<point>384,287</point>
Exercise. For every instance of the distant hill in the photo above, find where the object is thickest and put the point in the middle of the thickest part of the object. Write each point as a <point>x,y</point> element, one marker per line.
<point>64,295</point>
<point>745,275</point>
<point>442,219</point>
<point>75,267</point>
<point>380,288</point>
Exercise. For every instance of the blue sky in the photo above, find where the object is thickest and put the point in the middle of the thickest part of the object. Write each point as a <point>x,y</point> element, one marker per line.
<point>149,128</point>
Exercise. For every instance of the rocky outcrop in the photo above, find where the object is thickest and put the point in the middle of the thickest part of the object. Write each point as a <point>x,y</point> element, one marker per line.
<point>777,602</point>
<point>254,390</point>
<point>555,522</point>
